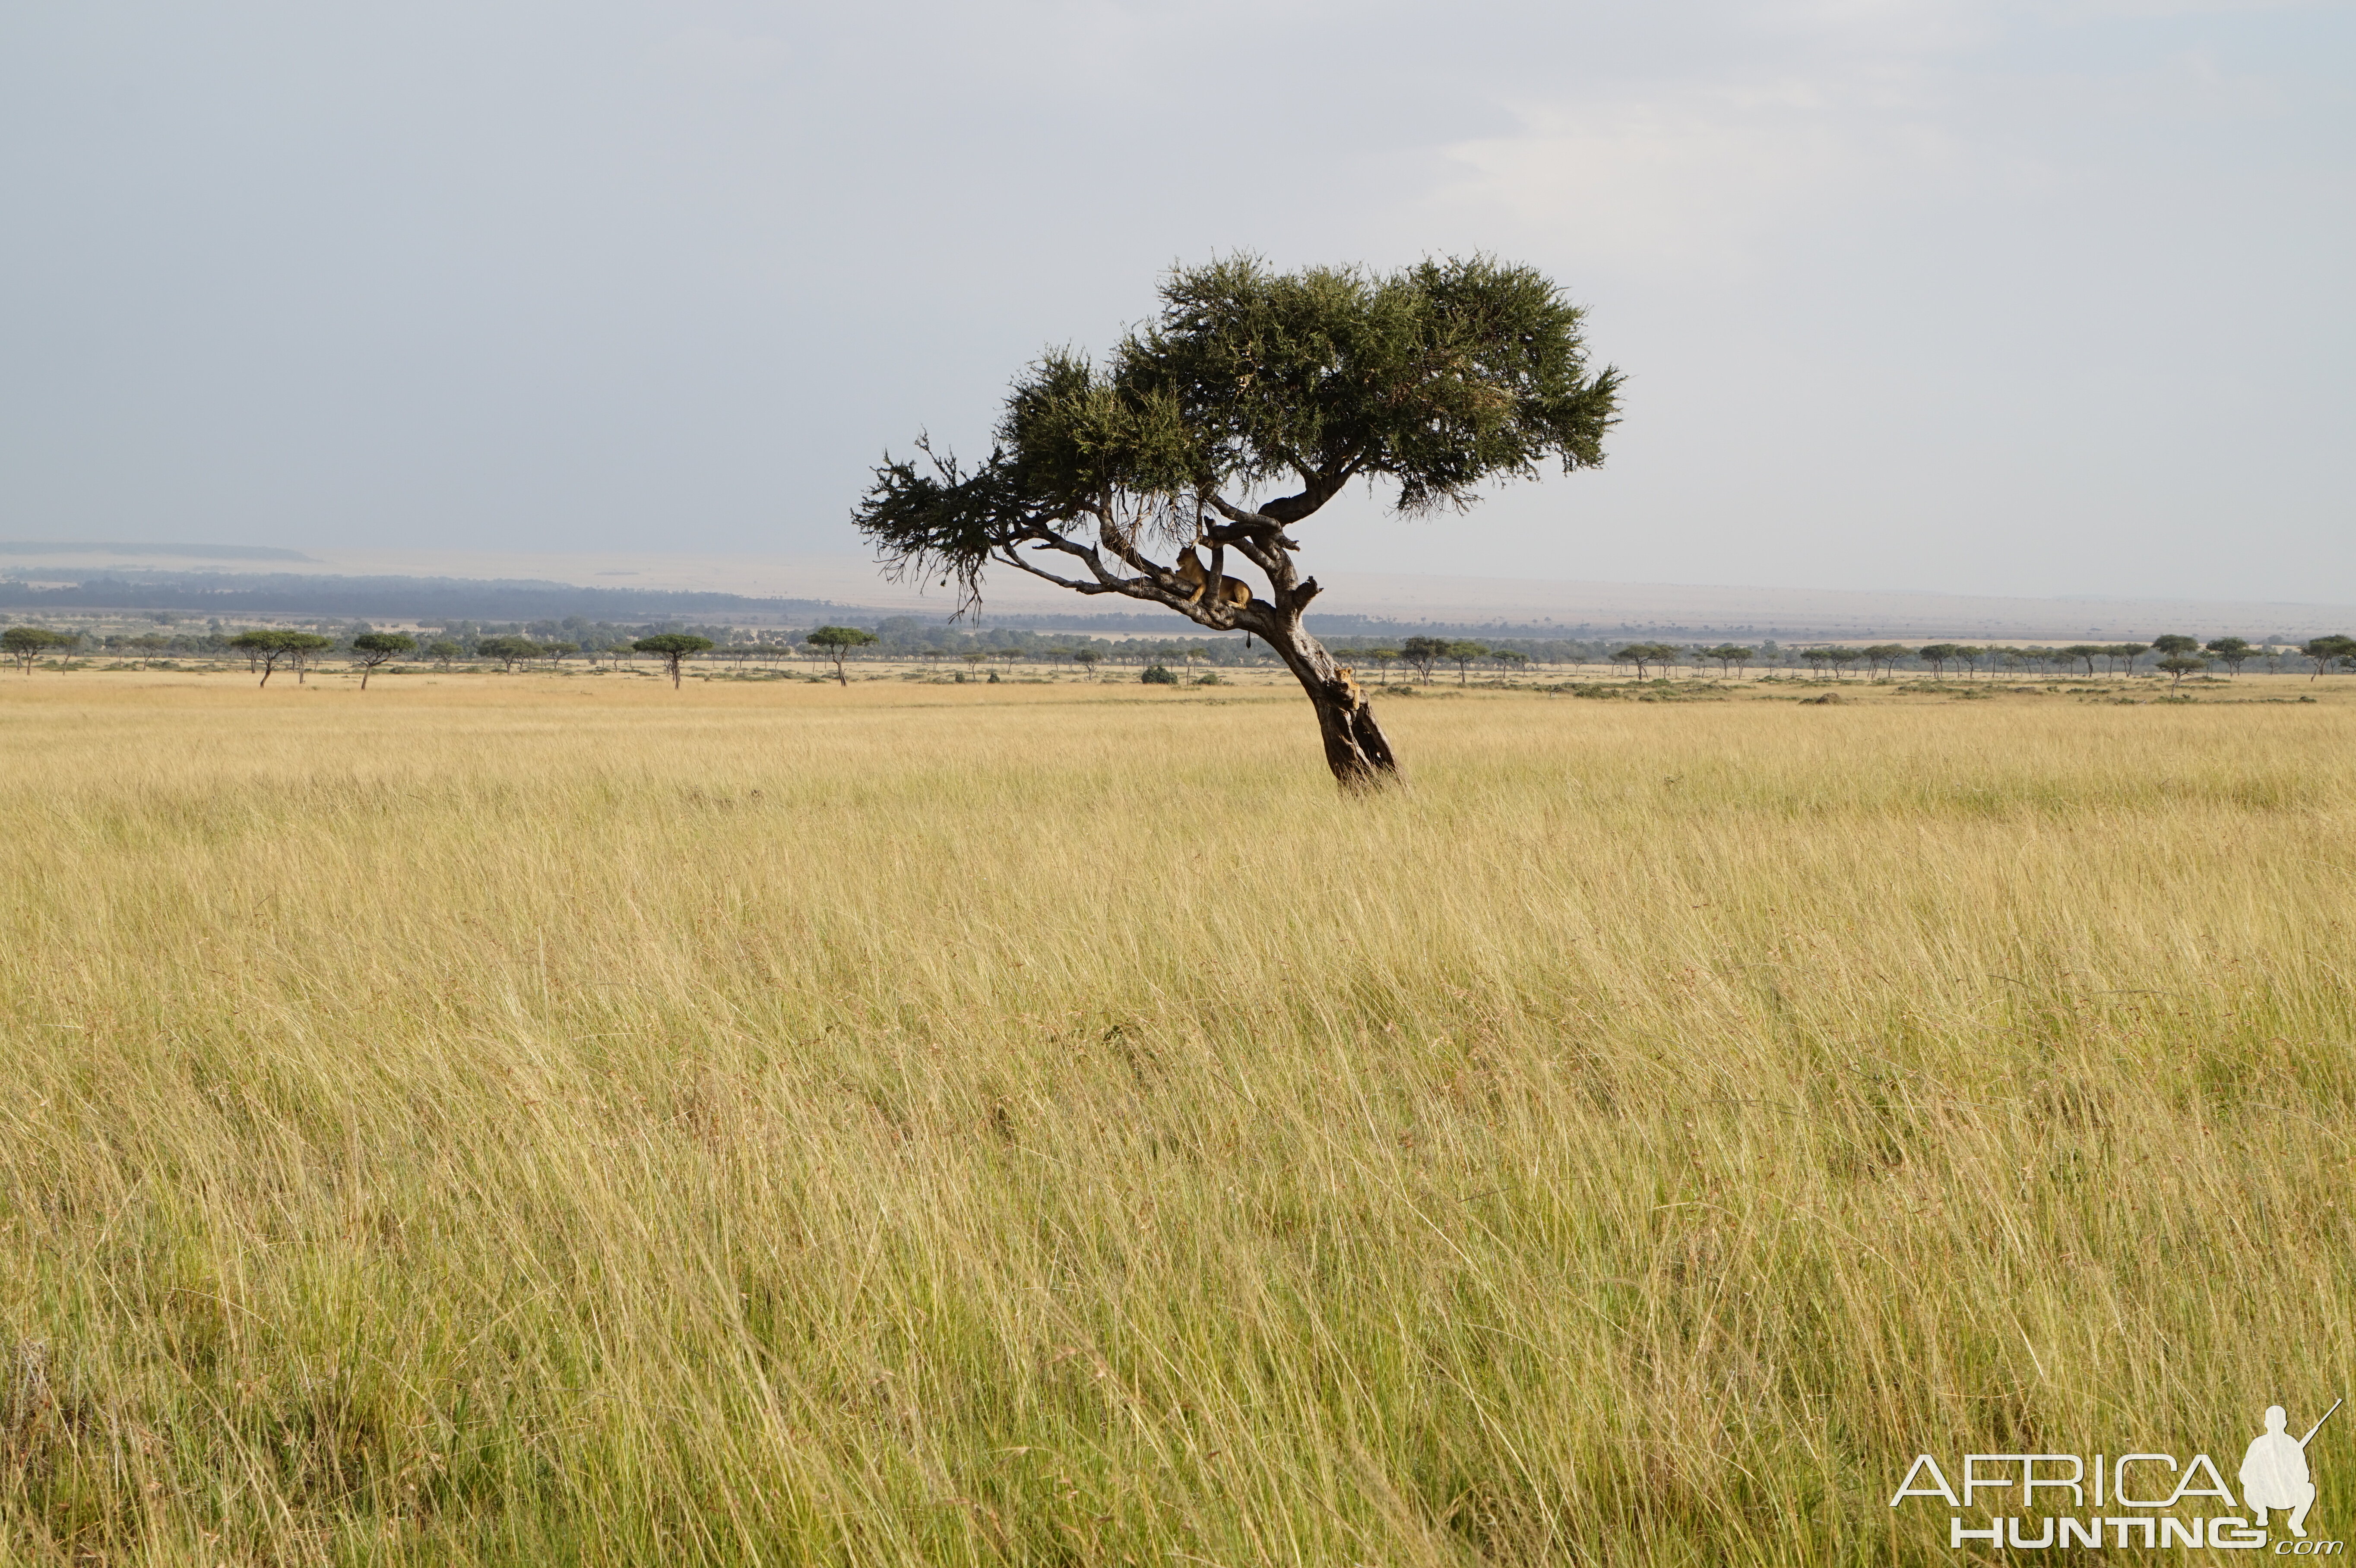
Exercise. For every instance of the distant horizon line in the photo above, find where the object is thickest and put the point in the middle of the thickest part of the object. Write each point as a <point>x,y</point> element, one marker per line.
<point>213,552</point>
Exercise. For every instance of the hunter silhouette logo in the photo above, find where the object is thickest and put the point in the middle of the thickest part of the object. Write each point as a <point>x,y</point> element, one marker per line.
<point>2273,1472</point>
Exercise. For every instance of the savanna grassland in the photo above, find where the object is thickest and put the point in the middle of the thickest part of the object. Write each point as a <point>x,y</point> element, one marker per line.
<point>543,1121</point>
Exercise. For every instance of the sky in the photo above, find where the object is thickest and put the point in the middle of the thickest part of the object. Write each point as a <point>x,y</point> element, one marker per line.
<point>1973,297</point>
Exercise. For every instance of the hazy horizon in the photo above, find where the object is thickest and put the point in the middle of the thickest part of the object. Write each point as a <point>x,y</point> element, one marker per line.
<point>1969,298</point>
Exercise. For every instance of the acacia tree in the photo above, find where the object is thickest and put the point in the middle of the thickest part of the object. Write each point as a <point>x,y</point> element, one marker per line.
<point>271,647</point>
<point>1461,654</point>
<point>25,644</point>
<point>1430,381</point>
<point>2322,651</point>
<point>509,651</point>
<point>1422,653</point>
<point>1884,656</point>
<point>836,641</point>
<point>370,649</point>
<point>2232,652</point>
<point>1644,655</point>
<point>671,648</point>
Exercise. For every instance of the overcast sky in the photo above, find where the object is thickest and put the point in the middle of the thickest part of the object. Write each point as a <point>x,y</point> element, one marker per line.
<point>1981,297</point>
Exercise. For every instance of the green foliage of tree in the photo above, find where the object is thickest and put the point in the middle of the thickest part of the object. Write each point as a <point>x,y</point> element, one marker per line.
<point>2085,654</point>
<point>2175,646</point>
<point>1884,656</point>
<point>271,647</point>
<point>836,643</point>
<point>2232,652</point>
<point>1158,675</point>
<point>1432,382</point>
<point>1087,660</point>
<point>1643,655</point>
<point>27,644</point>
<point>672,647</point>
<point>2324,651</point>
<point>1939,655</point>
<point>371,649</point>
<point>442,651</point>
<point>1461,654</point>
<point>2181,664</point>
<point>1730,656</point>
<point>1422,653</point>
<point>509,651</point>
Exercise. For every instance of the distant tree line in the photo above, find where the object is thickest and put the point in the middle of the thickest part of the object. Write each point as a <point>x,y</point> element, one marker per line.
<point>983,654</point>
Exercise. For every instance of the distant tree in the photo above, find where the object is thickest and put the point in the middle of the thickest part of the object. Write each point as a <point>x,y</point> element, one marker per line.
<point>1844,657</point>
<point>442,651</point>
<point>1969,656</point>
<point>1884,656</point>
<point>836,643</point>
<point>27,644</point>
<point>2232,652</point>
<point>974,658</point>
<point>1461,654</point>
<point>671,648</point>
<point>271,647</point>
<point>1422,653</point>
<point>1384,658</point>
<point>509,651</point>
<point>2085,654</point>
<point>1509,660</point>
<point>371,649</point>
<point>2324,651</point>
<point>2129,652</point>
<point>1938,656</point>
<point>1158,675</point>
<point>1646,655</point>
<point>1821,658</point>
<point>1087,660</point>
<point>1730,655</point>
<point>2181,664</point>
<point>557,653</point>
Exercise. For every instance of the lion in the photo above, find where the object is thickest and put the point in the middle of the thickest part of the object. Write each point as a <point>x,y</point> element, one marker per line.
<point>1229,591</point>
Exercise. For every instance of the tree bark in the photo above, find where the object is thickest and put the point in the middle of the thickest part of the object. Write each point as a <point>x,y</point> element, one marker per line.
<point>1355,748</point>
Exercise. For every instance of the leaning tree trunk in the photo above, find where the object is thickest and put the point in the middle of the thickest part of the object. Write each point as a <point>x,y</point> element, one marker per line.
<point>1355,748</point>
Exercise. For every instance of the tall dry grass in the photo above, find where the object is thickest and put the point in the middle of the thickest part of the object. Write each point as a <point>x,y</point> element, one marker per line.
<point>585,1123</point>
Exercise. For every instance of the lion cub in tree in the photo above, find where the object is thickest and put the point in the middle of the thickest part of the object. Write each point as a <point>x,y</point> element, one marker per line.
<point>1191,573</point>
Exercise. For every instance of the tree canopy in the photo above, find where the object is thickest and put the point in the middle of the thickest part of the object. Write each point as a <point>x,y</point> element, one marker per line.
<point>1428,383</point>
<point>671,648</point>
<point>272,647</point>
<point>836,643</point>
<point>370,649</point>
<point>25,644</point>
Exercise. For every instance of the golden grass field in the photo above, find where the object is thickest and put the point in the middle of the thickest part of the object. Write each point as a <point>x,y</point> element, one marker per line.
<point>547,1120</point>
